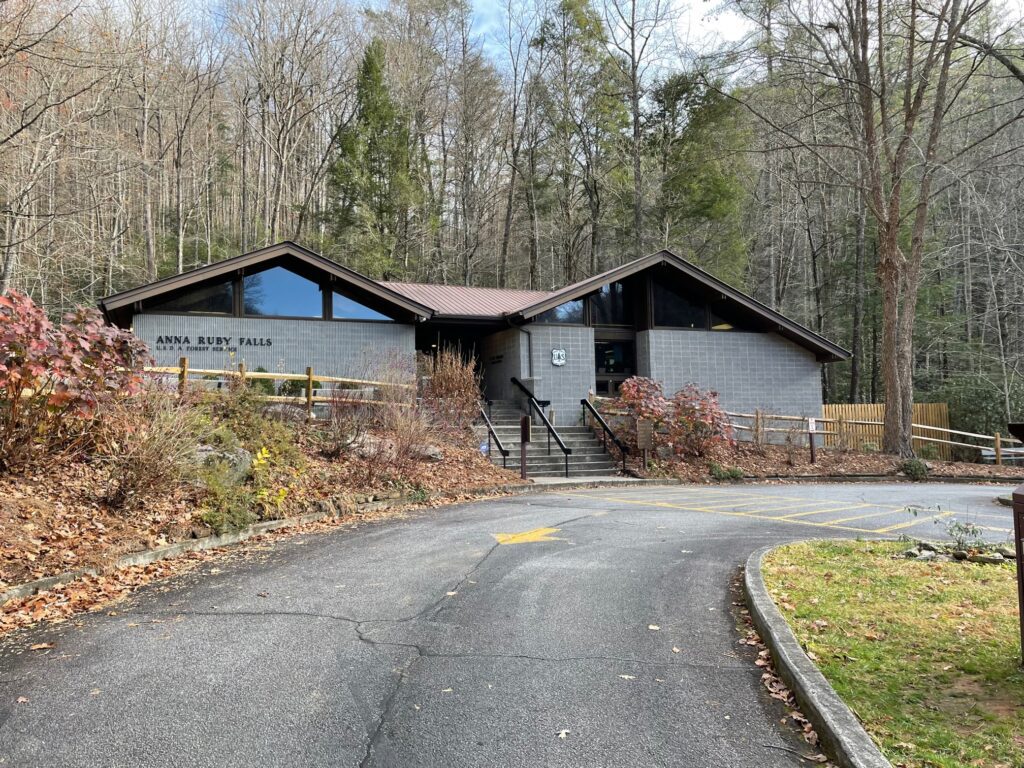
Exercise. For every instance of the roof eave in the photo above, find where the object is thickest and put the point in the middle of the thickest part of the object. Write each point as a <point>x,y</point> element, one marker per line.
<point>285,248</point>
<point>824,350</point>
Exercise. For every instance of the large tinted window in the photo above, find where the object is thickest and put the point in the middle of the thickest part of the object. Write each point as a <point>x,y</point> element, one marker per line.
<point>677,311</point>
<point>281,293</point>
<point>217,298</point>
<point>725,318</point>
<point>349,309</point>
<point>570,312</point>
<point>609,307</point>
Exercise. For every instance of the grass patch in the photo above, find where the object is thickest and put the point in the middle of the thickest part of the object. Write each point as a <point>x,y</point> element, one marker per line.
<point>926,654</point>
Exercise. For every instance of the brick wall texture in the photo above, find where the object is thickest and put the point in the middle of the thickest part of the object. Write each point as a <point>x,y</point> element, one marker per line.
<point>332,348</point>
<point>748,370</point>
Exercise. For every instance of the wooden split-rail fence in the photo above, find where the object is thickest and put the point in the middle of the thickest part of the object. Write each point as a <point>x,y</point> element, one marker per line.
<point>309,379</point>
<point>859,427</point>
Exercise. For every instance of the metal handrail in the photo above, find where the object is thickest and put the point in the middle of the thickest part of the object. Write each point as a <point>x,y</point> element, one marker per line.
<point>607,431</point>
<point>552,432</point>
<point>492,435</point>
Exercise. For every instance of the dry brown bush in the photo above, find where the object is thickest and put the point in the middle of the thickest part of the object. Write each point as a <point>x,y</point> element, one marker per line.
<point>450,390</point>
<point>150,444</point>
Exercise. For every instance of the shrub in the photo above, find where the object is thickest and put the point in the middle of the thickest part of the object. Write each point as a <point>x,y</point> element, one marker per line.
<point>152,446</point>
<point>240,410</point>
<point>296,388</point>
<point>53,378</point>
<point>346,423</point>
<point>264,387</point>
<point>450,391</point>
<point>915,469</point>
<point>639,398</point>
<point>697,422</point>
<point>228,505</point>
<point>720,473</point>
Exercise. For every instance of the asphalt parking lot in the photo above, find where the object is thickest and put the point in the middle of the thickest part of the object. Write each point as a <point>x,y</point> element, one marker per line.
<point>889,510</point>
<point>570,628</point>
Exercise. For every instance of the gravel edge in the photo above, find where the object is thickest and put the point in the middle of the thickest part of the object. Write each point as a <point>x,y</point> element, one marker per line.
<point>839,730</point>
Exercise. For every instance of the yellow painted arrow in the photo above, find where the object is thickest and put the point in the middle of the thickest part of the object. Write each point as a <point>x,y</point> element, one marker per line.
<point>527,537</point>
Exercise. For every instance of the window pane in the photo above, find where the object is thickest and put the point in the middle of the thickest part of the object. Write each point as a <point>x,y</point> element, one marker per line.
<point>608,307</point>
<point>614,357</point>
<point>217,298</point>
<point>673,309</point>
<point>720,323</point>
<point>348,309</point>
<point>570,312</point>
<point>282,293</point>
<point>724,317</point>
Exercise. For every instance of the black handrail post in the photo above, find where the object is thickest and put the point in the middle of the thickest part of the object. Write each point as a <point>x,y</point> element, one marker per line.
<point>540,405</point>
<point>606,431</point>
<point>492,435</point>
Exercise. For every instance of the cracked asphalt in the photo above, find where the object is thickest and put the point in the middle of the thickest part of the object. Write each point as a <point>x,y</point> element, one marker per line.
<point>425,642</point>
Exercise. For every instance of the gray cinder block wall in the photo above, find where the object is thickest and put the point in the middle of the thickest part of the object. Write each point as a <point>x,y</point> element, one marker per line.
<point>567,384</point>
<point>502,356</point>
<point>508,353</point>
<point>748,370</point>
<point>349,349</point>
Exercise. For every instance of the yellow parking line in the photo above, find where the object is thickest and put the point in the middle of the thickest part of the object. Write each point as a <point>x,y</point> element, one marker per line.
<point>917,521</point>
<point>862,517</point>
<point>810,523</point>
<point>822,511</point>
<point>1000,530</point>
<point>760,503</point>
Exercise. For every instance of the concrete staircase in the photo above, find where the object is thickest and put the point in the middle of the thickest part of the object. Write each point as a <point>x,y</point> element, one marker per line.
<point>588,458</point>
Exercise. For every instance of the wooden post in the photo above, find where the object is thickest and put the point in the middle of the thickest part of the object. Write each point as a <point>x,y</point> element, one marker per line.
<point>811,427</point>
<point>241,372</point>
<point>757,427</point>
<point>1018,545</point>
<point>309,395</point>
<point>999,448</point>
<point>183,376</point>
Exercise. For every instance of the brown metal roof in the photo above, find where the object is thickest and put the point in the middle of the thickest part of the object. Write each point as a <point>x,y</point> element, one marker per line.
<point>464,301</point>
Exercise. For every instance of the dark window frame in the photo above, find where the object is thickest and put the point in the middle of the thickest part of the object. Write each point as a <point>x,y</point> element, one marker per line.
<point>249,315</point>
<point>584,311</point>
<point>327,290</point>
<point>627,306</point>
<point>662,326</point>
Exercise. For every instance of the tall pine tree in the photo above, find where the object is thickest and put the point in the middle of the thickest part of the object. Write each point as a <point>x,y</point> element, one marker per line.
<point>369,180</point>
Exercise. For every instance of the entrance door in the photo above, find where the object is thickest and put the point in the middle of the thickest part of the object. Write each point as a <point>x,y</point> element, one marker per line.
<point>614,361</point>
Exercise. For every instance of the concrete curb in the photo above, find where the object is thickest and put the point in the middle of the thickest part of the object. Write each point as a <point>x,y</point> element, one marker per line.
<point>838,728</point>
<point>326,508</point>
<point>877,479</point>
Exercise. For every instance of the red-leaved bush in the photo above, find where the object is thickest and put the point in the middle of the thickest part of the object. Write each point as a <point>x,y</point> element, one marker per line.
<point>692,421</point>
<point>53,378</point>
<point>697,423</point>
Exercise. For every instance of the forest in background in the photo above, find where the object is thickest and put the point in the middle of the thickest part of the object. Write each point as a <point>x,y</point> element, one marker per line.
<point>855,165</point>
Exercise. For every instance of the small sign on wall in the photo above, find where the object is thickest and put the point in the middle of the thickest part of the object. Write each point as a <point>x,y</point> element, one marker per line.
<point>558,357</point>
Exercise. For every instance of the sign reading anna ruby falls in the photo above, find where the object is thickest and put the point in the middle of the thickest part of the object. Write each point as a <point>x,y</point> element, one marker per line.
<point>209,343</point>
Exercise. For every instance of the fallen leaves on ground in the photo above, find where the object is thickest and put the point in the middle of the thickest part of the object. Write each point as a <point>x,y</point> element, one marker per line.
<point>776,461</point>
<point>773,683</point>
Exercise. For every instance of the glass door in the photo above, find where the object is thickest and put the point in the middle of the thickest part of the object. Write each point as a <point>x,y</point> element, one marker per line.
<point>614,361</point>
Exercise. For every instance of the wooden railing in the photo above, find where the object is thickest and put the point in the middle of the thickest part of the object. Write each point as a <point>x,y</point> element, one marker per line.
<point>308,398</point>
<point>838,432</point>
